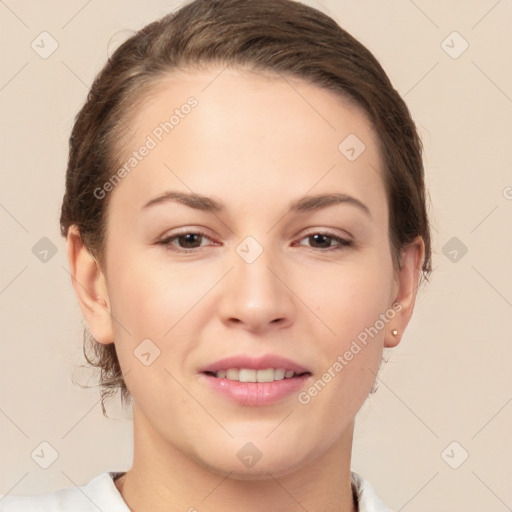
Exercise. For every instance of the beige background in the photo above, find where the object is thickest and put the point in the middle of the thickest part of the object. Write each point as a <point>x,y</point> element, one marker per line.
<point>449,380</point>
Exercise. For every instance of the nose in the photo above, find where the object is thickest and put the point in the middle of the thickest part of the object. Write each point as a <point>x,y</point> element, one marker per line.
<point>255,297</point>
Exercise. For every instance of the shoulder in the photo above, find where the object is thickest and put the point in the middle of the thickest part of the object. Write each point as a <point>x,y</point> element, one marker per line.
<point>99,494</point>
<point>367,499</point>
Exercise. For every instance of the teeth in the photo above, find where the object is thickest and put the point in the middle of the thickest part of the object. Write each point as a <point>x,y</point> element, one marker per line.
<point>232,374</point>
<point>279,374</point>
<point>251,375</point>
<point>265,375</point>
<point>247,375</point>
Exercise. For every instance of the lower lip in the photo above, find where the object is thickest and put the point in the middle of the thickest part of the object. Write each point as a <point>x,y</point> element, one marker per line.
<point>256,393</point>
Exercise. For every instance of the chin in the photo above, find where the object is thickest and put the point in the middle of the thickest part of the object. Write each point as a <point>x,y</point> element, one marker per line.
<point>252,465</point>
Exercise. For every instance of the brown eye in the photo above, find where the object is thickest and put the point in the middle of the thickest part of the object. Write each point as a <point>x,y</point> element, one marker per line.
<point>189,240</point>
<point>320,241</point>
<point>325,241</point>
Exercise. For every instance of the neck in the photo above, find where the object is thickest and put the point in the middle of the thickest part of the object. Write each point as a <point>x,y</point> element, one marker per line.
<point>163,478</point>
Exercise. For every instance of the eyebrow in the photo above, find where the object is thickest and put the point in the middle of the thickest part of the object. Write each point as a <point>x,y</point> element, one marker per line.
<point>191,200</point>
<point>302,205</point>
<point>310,203</point>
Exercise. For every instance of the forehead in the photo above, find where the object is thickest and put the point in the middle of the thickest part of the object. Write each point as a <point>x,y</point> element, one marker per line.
<point>219,131</point>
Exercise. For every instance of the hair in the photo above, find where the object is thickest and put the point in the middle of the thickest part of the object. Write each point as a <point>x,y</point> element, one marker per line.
<point>283,37</point>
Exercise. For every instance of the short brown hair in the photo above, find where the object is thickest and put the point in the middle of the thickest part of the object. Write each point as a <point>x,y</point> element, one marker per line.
<point>280,36</point>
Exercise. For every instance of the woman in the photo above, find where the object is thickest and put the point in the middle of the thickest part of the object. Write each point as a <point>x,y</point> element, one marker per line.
<point>246,226</point>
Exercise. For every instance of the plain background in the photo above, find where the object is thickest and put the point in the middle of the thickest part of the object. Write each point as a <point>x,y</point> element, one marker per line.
<point>448,381</point>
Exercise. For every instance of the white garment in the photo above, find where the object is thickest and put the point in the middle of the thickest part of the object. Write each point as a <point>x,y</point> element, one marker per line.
<point>101,494</point>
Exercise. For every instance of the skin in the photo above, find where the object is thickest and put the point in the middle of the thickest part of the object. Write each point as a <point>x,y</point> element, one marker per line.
<point>255,142</point>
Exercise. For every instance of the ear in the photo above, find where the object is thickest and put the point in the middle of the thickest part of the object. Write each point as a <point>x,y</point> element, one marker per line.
<point>90,287</point>
<point>406,287</point>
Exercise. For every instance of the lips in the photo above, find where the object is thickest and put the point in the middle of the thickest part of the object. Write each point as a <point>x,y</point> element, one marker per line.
<point>255,381</point>
<point>255,363</point>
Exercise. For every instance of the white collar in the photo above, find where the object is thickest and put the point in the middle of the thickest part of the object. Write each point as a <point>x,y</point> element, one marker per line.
<point>101,493</point>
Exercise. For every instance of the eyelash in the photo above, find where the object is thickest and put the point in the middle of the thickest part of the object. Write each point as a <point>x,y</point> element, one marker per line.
<point>167,242</point>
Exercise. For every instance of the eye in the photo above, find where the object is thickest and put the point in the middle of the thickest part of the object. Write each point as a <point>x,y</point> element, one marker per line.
<point>325,241</point>
<point>186,241</point>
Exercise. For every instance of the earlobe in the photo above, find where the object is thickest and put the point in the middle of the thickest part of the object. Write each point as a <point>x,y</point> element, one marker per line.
<point>408,278</point>
<point>90,287</point>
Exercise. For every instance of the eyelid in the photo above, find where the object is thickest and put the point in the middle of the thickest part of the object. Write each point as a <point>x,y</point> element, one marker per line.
<point>167,239</point>
<point>343,241</point>
<point>185,230</point>
<point>326,231</point>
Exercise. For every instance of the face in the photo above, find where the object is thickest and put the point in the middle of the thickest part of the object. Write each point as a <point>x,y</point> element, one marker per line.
<point>246,231</point>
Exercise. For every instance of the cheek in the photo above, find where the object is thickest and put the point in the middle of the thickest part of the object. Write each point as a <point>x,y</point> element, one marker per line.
<point>348,298</point>
<point>165,304</point>
<point>350,358</point>
<point>151,299</point>
<point>351,304</point>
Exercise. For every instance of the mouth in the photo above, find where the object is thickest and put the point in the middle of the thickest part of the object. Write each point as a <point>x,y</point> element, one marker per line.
<point>253,375</point>
<point>251,381</point>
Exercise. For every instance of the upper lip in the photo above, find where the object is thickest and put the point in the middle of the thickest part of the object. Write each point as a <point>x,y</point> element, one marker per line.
<point>255,363</point>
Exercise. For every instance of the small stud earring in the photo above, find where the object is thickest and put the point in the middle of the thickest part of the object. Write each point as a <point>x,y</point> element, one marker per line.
<point>394,332</point>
